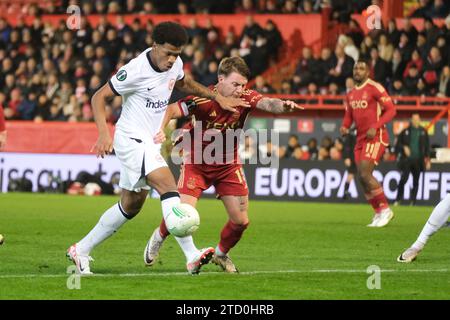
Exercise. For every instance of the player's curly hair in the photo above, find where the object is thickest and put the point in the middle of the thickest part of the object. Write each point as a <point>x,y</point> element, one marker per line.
<point>233,64</point>
<point>171,33</point>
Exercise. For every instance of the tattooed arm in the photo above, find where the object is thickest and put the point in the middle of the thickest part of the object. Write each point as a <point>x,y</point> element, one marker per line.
<point>192,87</point>
<point>275,105</point>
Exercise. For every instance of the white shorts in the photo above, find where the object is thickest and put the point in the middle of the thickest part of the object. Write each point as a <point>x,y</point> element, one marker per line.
<point>137,159</point>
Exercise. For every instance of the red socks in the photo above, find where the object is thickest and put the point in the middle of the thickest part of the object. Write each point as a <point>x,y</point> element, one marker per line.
<point>377,200</point>
<point>163,232</point>
<point>230,235</point>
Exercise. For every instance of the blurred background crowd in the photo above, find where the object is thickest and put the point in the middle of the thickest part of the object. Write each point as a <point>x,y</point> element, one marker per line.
<point>49,73</point>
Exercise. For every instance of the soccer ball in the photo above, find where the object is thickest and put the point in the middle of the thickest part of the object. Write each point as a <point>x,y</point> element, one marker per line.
<point>183,220</point>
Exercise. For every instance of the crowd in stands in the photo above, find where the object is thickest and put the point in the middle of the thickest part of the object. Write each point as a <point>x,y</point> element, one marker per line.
<point>50,72</point>
<point>407,62</point>
<point>343,8</point>
<point>328,149</point>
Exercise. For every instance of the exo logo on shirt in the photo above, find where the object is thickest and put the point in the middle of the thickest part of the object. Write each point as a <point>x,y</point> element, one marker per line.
<point>121,75</point>
<point>359,104</point>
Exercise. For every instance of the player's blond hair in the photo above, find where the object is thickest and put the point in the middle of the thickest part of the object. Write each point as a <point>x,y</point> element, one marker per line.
<point>233,64</point>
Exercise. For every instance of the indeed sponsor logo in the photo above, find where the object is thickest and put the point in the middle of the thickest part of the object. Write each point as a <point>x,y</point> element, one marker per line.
<point>157,104</point>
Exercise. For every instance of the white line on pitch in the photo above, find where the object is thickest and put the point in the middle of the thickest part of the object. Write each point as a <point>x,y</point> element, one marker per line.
<point>168,274</point>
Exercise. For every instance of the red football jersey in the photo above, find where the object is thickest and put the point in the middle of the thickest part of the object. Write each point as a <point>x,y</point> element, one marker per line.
<point>369,106</point>
<point>214,120</point>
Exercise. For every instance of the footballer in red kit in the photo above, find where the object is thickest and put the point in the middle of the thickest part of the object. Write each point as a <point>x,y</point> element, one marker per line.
<point>225,173</point>
<point>369,106</point>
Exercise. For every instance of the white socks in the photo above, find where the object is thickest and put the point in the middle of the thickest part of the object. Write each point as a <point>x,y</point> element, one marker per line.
<point>188,247</point>
<point>109,222</point>
<point>437,219</point>
<point>168,201</point>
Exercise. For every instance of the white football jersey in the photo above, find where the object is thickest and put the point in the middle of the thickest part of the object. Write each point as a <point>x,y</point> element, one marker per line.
<point>145,92</point>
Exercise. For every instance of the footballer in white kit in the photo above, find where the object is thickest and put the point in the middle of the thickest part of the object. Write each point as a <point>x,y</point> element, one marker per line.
<point>145,85</point>
<point>145,91</point>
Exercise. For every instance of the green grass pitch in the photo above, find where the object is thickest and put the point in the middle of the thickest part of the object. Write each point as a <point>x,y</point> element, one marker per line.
<point>290,251</point>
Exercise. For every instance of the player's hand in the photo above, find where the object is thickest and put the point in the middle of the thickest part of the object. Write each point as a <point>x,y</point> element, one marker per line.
<point>230,103</point>
<point>407,151</point>
<point>290,106</point>
<point>371,133</point>
<point>159,137</point>
<point>103,146</point>
<point>348,162</point>
<point>344,131</point>
<point>2,139</point>
<point>427,164</point>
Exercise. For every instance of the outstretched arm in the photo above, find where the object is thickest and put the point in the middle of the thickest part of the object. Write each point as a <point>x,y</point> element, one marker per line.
<point>192,87</point>
<point>275,105</point>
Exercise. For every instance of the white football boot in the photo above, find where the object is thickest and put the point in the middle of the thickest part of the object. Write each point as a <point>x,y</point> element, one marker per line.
<point>80,261</point>
<point>375,219</point>
<point>151,251</point>
<point>409,255</point>
<point>385,216</point>
<point>204,256</point>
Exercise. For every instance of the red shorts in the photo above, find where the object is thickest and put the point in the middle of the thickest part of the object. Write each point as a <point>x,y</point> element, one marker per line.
<point>369,150</point>
<point>228,180</point>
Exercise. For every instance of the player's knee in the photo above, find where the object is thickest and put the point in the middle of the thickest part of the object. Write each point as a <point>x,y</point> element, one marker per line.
<point>241,222</point>
<point>164,185</point>
<point>364,176</point>
<point>132,206</point>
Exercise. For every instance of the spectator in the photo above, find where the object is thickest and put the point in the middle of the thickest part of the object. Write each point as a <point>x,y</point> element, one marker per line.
<point>274,39</point>
<point>247,150</point>
<point>312,149</point>
<point>405,47</point>
<point>342,67</point>
<point>307,68</point>
<point>355,33</point>
<point>349,47</point>
<point>422,11</point>
<point>431,31</point>
<point>422,45</point>
<point>325,63</point>
<point>397,88</point>
<point>379,68</point>
<point>439,9</point>
<point>416,61</point>
<point>251,29</point>
<point>397,66</point>
<point>385,49</point>
<point>432,67</point>
<point>288,151</point>
<point>410,81</point>
<point>289,7</point>
<point>444,83</point>
<point>246,7</point>
<point>262,87</point>
<point>393,33</point>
